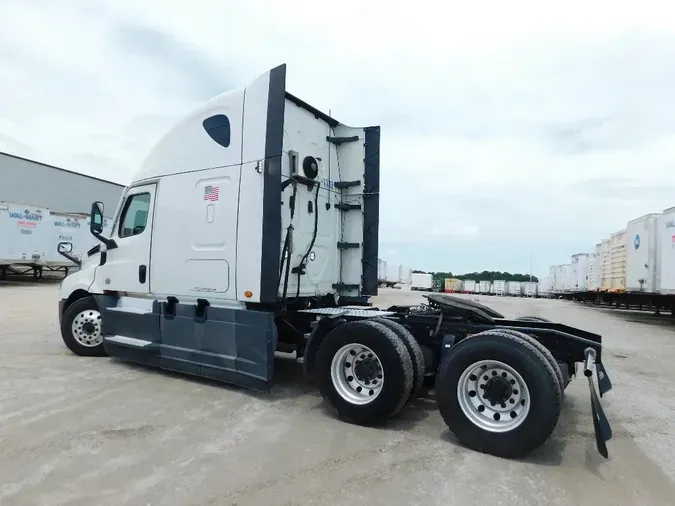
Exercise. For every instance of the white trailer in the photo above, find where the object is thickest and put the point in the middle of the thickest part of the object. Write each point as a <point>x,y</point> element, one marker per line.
<point>594,270</point>
<point>24,235</point>
<point>381,271</point>
<point>530,288</point>
<point>500,287</point>
<point>74,229</point>
<point>218,258</point>
<point>515,288</point>
<point>470,286</point>
<point>393,274</point>
<point>421,281</point>
<point>666,248</point>
<point>579,277</point>
<point>405,275</point>
<point>642,253</point>
<point>484,287</point>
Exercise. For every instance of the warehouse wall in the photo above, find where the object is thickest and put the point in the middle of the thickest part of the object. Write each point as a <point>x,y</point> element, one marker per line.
<point>27,182</point>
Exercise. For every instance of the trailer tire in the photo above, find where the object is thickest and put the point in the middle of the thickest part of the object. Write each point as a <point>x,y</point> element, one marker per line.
<point>542,349</point>
<point>81,328</point>
<point>465,399</point>
<point>533,319</point>
<point>416,355</point>
<point>382,357</point>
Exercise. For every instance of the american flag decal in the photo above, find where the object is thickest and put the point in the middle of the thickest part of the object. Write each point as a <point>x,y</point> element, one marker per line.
<point>211,193</point>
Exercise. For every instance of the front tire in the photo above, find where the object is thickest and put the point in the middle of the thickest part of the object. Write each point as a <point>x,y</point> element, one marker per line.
<point>364,372</point>
<point>81,328</point>
<point>498,394</point>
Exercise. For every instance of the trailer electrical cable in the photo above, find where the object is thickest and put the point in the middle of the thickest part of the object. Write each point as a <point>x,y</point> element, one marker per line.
<point>286,252</point>
<point>302,264</point>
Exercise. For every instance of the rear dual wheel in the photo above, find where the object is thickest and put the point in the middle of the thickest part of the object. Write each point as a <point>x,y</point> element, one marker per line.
<point>365,372</point>
<point>542,349</point>
<point>498,394</point>
<point>562,368</point>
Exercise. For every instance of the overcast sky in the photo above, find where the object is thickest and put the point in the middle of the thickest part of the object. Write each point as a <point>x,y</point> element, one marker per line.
<point>508,128</point>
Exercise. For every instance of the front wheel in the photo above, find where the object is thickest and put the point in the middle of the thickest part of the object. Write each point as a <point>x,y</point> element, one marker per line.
<point>81,328</point>
<point>498,394</point>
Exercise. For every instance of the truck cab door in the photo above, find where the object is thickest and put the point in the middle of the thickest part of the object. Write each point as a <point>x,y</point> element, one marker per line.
<point>126,268</point>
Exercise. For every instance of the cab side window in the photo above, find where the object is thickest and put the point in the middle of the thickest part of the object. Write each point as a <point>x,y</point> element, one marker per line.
<point>134,215</point>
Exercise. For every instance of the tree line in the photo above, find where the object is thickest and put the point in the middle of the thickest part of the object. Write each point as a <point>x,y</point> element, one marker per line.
<point>439,277</point>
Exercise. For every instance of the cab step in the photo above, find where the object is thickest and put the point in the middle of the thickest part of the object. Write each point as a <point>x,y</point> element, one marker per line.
<point>129,341</point>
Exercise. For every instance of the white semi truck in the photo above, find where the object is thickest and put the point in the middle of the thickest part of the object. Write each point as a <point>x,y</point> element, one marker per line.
<point>252,227</point>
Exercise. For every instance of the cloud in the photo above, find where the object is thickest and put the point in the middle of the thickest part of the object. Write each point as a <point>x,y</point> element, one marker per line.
<point>507,129</point>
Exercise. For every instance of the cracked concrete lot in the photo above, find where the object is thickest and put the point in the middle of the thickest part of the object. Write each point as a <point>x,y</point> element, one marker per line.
<point>82,431</point>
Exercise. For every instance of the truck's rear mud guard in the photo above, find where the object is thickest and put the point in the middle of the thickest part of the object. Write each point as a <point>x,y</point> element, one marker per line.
<point>601,427</point>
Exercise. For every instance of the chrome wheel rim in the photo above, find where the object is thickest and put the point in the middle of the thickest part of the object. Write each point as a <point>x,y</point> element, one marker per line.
<point>493,396</point>
<point>86,328</point>
<point>357,374</point>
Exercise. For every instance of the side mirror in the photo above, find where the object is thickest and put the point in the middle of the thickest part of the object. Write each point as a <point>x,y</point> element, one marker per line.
<point>96,221</point>
<point>65,247</point>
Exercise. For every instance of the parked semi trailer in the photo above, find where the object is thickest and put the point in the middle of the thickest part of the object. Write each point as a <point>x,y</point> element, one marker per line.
<point>29,236</point>
<point>381,272</point>
<point>421,281</point>
<point>210,269</point>
<point>24,236</point>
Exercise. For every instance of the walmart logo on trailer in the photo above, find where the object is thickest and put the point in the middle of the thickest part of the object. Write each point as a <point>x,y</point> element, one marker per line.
<point>636,241</point>
<point>26,215</point>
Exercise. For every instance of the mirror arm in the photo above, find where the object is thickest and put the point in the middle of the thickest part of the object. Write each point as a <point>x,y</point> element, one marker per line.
<point>67,255</point>
<point>70,257</point>
<point>109,243</point>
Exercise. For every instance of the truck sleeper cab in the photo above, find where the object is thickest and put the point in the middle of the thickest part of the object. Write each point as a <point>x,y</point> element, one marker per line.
<point>252,227</point>
<point>254,200</point>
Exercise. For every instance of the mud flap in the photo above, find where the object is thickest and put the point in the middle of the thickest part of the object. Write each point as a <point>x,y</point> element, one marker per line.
<point>601,427</point>
<point>604,383</point>
<point>231,345</point>
<point>603,431</point>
